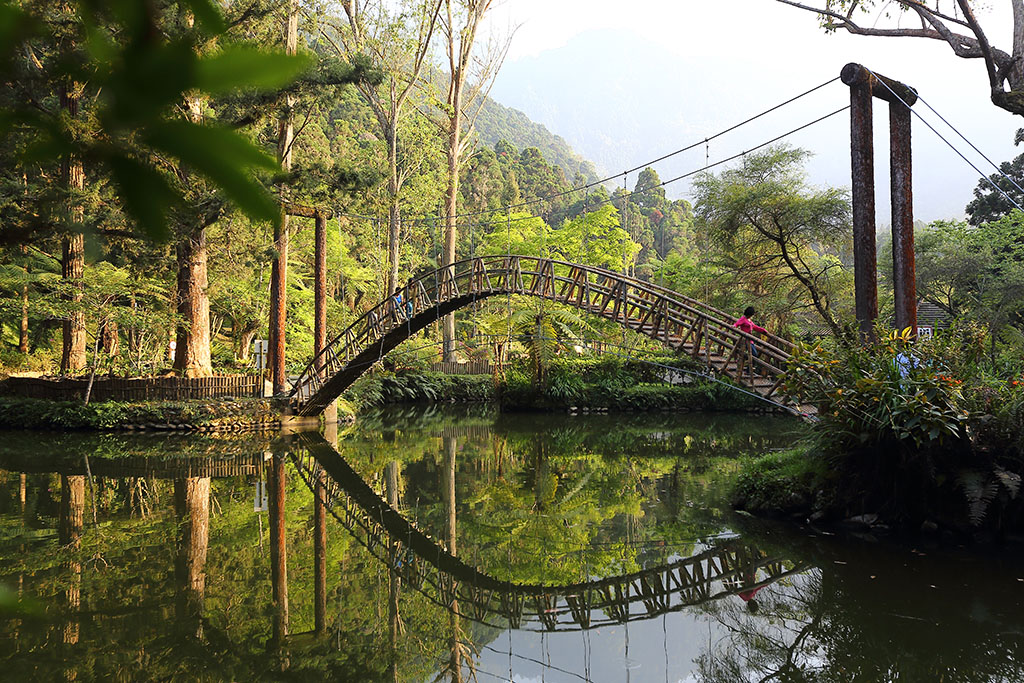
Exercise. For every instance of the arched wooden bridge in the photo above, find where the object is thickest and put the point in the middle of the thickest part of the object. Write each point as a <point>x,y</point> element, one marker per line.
<point>720,571</point>
<point>680,323</point>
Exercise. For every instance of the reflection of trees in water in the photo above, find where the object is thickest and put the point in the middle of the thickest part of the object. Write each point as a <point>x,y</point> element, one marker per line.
<point>551,498</point>
<point>767,637</point>
<point>815,628</point>
<point>833,624</point>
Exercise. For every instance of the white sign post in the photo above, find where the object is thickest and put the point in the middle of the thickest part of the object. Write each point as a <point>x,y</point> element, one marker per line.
<point>260,500</point>
<point>260,351</point>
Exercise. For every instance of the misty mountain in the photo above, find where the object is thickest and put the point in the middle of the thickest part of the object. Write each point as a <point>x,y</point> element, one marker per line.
<point>621,101</point>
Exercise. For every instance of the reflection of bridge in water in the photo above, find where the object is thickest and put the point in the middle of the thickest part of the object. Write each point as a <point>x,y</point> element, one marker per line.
<point>721,571</point>
<point>169,467</point>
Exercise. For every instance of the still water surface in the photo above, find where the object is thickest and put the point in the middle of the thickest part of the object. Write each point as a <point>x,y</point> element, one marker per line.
<point>466,545</point>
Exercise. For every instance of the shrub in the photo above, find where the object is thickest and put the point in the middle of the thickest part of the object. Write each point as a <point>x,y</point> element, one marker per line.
<point>905,425</point>
<point>408,387</point>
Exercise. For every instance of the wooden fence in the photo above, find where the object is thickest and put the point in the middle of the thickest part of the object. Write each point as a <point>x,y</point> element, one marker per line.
<point>476,367</point>
<point>144,389</point>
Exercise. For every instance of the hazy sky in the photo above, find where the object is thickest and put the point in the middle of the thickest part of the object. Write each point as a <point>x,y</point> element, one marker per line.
<point>766,52</point>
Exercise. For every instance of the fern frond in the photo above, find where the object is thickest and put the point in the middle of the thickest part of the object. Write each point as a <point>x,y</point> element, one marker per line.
<point>980,490</point>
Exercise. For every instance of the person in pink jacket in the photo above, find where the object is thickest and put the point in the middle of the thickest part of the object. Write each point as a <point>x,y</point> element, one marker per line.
<point>749,326</point>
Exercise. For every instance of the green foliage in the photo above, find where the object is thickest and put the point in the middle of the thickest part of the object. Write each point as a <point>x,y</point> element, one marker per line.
<point>991,204</point>
<point>885,393</point>
<point>977,274</point>
<point>781,237</point>
<point>141,70</point>
<point>497,123</point>
<point>541,328</point>
<point>617,384</point>
<point>30,413</point>
<point>596,239</point>
<point>912,431</point>
<point>780,483</point>
<point>381,388</point>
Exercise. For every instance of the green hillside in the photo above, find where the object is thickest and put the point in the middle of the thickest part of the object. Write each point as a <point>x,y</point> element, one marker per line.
<point>498,122</point>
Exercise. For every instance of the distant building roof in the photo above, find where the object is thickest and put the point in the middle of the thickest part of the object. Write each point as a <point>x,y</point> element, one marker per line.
<point>929,314</point>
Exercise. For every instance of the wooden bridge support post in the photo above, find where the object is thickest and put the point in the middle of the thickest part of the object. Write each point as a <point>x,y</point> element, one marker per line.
<point>320,304</point>
<point>862,157</point>
<point>903,275</point>
<point>863,86</point>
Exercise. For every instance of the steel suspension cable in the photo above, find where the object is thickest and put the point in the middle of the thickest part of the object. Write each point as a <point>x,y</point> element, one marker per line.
<point>602,181</point>
<point>943,138</point>
<point>973,146</point>
<point>704,168</point>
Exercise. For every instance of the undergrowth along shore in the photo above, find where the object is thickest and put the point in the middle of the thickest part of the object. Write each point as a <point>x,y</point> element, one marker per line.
<point>597,384</point>
<point>912,437</point>
<point>207,415</point>
<point>607,383</point>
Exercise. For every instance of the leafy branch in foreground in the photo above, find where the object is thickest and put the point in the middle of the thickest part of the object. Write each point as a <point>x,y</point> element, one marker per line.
<point>139,73</point>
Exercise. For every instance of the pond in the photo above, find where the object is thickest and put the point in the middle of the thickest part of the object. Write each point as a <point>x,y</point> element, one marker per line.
<point>465,544</point>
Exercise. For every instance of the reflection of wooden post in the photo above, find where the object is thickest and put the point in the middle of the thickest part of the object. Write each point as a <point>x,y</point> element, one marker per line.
<point>69,533</point>
<point>278,547</point>
<point>320,554</point>
<point>331,434</point>
<point>451,448</point>
<point>192,508</point>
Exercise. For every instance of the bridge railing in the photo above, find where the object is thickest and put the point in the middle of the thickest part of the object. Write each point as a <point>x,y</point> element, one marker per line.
<point>680,322</point>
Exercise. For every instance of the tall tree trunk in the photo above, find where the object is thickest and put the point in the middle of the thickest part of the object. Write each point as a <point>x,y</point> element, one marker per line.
<point>394,210</point>
<point>110,338</point>
<point>279,268</point>
<point>450,210</point>
<point>23,328</point>
<point>192,346</point>
<point>245,339</point>
<point>73,261</point>
<point>72,357</point>
<point>192,343</point>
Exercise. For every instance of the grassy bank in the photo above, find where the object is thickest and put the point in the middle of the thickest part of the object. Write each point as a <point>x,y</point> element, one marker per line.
<point>206,415</point>
<point>593,384</point>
